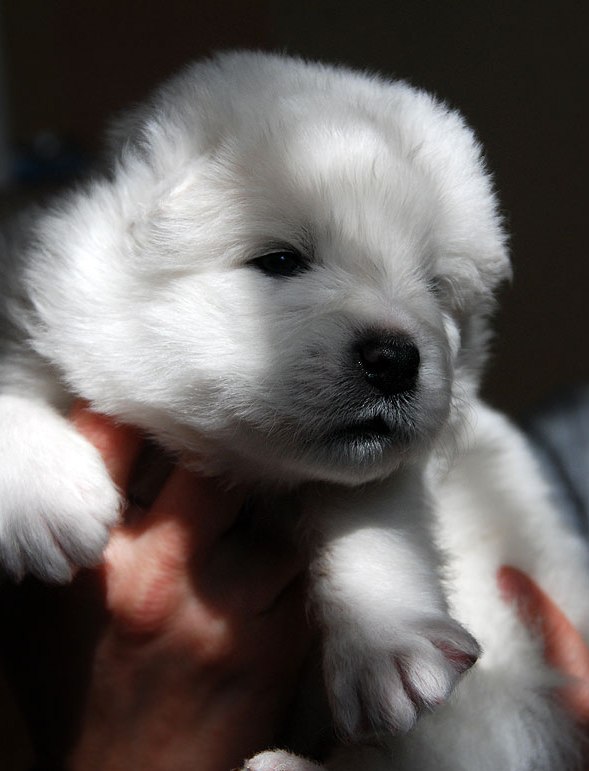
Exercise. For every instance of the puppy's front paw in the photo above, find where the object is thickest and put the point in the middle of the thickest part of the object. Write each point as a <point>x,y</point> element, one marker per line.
<point>382,685</point>
<point>277,760</point>
<point>57,501</point>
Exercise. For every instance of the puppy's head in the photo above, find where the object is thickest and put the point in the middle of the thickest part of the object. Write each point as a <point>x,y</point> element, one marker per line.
<point>289,270</point>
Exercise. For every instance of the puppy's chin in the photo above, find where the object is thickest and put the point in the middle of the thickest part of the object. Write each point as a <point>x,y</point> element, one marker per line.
<point>364,449</point>
<point>350,449</point>
<point>353,457</point>
<point>349,456</point>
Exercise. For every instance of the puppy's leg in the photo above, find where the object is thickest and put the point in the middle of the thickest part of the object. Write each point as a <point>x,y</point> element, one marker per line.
<point>57,501</point>
<point>390,647</point>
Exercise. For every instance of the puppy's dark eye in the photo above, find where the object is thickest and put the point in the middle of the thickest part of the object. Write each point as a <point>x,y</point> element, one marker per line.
<point>281,264</point>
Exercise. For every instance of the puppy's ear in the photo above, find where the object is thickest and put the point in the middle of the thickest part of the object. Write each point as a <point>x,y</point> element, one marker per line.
<point>475,272</point>
<point>126,132</point>
<point>176,122</point>
<point>472,259</point>
<point>157,152</point>
<point>468,231</point>
<point>473,256</point>
<point>471,269</point>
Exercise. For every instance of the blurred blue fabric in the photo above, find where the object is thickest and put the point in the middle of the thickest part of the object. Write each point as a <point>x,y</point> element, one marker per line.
<point>558,431</point>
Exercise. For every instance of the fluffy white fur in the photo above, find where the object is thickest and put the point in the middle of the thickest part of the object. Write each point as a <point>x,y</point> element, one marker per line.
<point>140,293</point>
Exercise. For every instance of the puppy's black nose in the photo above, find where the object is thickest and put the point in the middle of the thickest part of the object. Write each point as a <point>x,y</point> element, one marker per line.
<point>389,363</point>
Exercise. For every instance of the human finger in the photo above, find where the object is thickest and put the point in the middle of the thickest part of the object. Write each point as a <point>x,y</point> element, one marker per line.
<point>201,506</point>
<point>118,444</point>
<point>178,530</point>
<point>564,648</point>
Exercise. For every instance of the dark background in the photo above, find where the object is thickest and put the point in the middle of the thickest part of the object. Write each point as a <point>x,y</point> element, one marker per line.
<point>518,70</point>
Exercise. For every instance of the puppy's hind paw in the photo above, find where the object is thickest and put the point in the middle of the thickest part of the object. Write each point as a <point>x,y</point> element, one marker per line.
<point>277,760</point>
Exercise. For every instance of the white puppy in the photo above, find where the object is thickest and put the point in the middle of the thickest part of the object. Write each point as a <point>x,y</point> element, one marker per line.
<point>287,274</point>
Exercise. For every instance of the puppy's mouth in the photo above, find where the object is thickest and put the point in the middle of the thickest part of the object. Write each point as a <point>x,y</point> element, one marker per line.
<point>372,430</point>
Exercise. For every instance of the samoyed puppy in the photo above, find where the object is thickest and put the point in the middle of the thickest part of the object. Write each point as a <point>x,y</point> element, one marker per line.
<point>285,277</point>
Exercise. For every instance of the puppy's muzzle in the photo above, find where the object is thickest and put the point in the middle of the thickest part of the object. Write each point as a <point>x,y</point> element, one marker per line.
<point>389,363</point>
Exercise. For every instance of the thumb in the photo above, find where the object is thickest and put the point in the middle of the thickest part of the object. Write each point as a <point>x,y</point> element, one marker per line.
<point>564,648</point>
<point>149,568</point>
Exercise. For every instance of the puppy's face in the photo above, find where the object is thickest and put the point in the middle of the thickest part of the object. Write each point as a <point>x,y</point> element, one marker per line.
<point>308,337</point>
<point>295,311</point>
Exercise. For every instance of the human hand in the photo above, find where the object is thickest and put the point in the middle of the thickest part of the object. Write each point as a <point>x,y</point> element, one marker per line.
<point>206,632</point>
<point>564,648</point>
